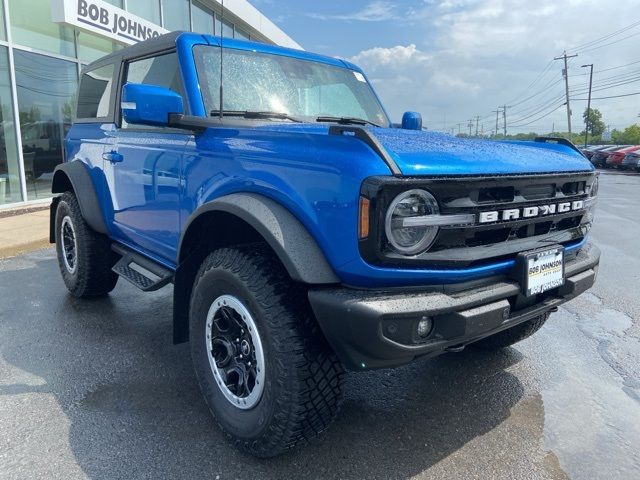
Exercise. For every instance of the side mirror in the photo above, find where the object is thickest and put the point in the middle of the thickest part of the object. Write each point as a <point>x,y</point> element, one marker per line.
<point>412,121</point>
<point>149,104</point>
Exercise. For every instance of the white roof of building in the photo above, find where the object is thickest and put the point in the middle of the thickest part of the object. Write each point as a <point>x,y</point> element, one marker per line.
<point>255,19</point>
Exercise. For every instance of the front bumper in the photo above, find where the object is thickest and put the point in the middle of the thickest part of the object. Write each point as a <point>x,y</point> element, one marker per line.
<point>373,329</point>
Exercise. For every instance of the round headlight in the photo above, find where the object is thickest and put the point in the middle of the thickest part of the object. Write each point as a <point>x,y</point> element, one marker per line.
<point>405,236</point>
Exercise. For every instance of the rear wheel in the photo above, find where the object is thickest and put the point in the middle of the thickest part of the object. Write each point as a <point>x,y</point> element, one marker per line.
<point>84,256</point>
<point>265,369</point>
<point>513,335</point>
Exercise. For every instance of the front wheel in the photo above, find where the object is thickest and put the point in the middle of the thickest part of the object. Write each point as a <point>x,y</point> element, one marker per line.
<point>265,369</point>
<point>512,335</point>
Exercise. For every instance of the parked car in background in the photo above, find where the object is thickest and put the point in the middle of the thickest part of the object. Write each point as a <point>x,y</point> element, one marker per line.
<point>589,150</point>
<point>631,161</point>
<point>599,158</point>
<point>614,160</point>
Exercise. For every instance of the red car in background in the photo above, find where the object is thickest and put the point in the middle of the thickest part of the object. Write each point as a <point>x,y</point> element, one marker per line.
<point>614,160</point>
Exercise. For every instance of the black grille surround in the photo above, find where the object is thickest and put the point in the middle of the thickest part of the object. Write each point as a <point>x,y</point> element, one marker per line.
<point>478,244</point>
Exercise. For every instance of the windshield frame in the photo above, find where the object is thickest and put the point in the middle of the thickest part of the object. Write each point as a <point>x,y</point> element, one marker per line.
<point>330,64</point>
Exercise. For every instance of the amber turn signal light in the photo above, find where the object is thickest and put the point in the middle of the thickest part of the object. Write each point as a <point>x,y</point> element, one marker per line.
<point>363,223</point>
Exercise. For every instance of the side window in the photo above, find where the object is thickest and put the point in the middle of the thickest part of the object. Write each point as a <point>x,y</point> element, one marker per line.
<point>94,94</point>
<point>162,71</point>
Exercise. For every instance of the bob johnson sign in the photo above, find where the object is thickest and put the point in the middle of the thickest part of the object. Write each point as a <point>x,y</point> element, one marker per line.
<point>104,19</point>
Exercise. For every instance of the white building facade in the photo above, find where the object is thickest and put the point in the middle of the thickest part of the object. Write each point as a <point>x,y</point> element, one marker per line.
<point>45,43</point>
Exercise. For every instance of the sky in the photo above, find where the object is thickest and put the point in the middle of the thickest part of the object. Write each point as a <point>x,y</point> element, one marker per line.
<point>458,59</point>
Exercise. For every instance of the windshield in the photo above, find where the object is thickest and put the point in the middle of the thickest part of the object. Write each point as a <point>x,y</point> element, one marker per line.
<point>260,82</point>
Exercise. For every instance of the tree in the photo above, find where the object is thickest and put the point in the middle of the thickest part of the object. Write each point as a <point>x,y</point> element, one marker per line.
<point>593,118</point>
<point>629,136</point>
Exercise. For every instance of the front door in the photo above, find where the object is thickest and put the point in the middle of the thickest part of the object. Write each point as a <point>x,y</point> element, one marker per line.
<point>143,170</point>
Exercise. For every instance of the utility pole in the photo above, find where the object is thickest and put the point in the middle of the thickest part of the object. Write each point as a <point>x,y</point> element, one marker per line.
<point>565,73</point>
<point>477,120</point>
<point>586,130</point>
<point>497,112</point>
<point>459,125</point>
<point>470,125</point>
<point>504,119</point>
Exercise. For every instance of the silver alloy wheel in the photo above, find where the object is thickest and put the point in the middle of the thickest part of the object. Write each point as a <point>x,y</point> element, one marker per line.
<point>235,352</point>
<point>69,245</point>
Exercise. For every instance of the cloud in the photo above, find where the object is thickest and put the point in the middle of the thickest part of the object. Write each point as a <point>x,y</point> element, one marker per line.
<point>468,56</point>
<point>375,11</point>
<point>408,78</point>
<point>391,57</point>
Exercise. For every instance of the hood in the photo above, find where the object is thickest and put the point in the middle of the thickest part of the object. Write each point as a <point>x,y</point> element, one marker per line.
<point>432,153</point>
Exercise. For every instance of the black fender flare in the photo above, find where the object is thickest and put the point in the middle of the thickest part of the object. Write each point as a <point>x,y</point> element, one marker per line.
<point>284,233</point>
<point>76,175</point>
<point>290,240</point>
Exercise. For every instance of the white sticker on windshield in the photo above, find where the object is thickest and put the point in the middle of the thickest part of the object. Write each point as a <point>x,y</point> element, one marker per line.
<point>359,76</point>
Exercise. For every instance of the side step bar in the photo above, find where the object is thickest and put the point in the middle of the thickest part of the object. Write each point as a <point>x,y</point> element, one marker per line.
<point>145,274</point>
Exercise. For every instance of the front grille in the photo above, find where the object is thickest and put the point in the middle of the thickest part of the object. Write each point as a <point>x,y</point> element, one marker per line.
<point>479,243</point>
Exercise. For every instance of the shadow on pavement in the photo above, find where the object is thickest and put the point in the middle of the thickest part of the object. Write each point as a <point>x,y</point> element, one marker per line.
<point>135,410</point>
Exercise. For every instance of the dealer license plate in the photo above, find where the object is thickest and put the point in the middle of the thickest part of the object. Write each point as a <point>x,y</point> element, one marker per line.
<point>544,270</point>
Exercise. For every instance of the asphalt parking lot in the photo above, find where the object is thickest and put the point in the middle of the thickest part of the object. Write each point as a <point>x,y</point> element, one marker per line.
<point>96,389</point>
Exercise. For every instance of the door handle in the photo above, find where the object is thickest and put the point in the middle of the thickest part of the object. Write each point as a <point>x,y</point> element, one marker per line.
<point>113,157</point>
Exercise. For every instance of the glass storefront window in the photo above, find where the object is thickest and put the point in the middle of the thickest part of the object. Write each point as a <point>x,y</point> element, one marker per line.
<point>176,14</point>
<point>92,47</point>
<point>46,89</point>
<point>9,170</point>
<point>3,34</point>
<point>202,18</point>
<point>31,26</point>
<point>147,9</point>
<point>223,27</point>
<point>241,34</point>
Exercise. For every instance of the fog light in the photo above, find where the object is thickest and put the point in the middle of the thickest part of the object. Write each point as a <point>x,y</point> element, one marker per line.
<point>424,327</point>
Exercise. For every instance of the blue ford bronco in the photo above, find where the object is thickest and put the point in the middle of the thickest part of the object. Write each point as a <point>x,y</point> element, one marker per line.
<point>304,233</point>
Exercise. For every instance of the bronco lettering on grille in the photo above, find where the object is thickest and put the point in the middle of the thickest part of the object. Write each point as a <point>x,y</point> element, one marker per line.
<point>529,212</point>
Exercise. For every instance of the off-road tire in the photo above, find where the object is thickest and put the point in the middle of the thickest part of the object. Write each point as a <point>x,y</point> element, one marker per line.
<point>92,276</point>
<point>513,335</point>
<point>302,390</point>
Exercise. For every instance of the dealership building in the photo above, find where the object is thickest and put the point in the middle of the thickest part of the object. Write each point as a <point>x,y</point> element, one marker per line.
<point>45,43</point>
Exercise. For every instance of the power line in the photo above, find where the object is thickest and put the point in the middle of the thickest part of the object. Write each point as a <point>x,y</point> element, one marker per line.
<point>544,101</point>
<point>550,84</point>
<point>608,86</point>
<point>604,98</point>
<point>606,69</point>
<point>611,43</point>
<point>604,37</point>
<point>540,76</point>
<point>540,108</point>
<point>604,80</point>
<point>539,118</point>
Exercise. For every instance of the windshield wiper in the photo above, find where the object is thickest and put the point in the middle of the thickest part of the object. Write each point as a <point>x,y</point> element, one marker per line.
<point>347,121</point>
<point>250,114</point>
